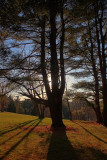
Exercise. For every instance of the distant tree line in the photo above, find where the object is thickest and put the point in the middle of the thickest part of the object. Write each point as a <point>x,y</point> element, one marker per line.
<point>80,110</point>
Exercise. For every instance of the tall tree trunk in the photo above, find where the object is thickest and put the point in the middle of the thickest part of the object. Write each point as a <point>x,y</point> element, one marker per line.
<point>56,111</point>
<point>54,95</point>
<point>101,37</point>
<point>98,115</point>
<point>105,105</point>
<point>96,80</point>
<point>104,61</point>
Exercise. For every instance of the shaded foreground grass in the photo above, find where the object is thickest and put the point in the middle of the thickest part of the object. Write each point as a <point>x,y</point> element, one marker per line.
<point>25,137</point>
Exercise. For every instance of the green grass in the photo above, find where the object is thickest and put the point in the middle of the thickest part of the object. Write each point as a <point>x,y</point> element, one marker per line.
<point>24,137</point>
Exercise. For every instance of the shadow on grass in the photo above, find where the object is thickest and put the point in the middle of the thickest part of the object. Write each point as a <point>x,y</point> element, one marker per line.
<point>60,147</point>
<point>25,136</point>
<point>98,155</point>
<point>17,133</point>
<point>91,133</point>
<point>91,154</point>
<point>16,127</point>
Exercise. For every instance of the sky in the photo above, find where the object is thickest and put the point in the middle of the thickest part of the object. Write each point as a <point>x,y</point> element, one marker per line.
<point>25,50</point>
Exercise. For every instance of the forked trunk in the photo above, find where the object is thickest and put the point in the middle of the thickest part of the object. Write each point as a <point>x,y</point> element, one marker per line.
<point>54,94</point>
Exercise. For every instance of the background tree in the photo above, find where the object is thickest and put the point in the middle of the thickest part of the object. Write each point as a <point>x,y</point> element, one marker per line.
<point>3,103</point>
<point>3,97</point>
<point>88,61</point>
<point>19,107</point>
<point>66,98</point>
<point>11,105</point>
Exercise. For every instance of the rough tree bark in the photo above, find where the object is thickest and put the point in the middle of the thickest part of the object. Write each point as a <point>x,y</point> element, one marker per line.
<point>55,94</point>
<point>101,37</point>
<point>96,80</point>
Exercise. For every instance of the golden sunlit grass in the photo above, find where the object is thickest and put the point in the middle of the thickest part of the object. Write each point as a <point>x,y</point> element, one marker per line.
<point>24,137</point>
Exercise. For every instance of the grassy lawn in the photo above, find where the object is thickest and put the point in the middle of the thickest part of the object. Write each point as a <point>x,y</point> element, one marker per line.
<point>24,137</point>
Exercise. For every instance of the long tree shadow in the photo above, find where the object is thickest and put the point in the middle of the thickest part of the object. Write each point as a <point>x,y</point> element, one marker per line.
<point>91,133</point>
<point>95,154</point>
<point>29,125</point>
<point>16,127</point>
<point>60,147</point>
<point>25,136</point>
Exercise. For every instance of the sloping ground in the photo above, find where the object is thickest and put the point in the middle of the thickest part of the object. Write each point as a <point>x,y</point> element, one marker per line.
<point>25,137</point>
